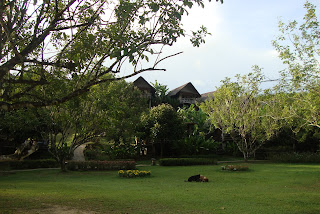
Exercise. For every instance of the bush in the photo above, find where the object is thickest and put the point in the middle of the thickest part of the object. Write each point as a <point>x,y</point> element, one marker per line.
<point>113,150</point>
<point>28,164</point>
<point>95,154</point>
<point>133,173</point>
<point>186,161</point>
<point>235,168</point>
<point>294,157</point>
<point>101,165</point>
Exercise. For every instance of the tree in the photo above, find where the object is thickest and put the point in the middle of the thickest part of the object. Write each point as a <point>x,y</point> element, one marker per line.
<point>123,105</point>
<point>197,128</point>
<point>161,95</point>
<point>163,125</point>
<point>110,110</point>
<point>239,109</point>
<point>73,123</point>
<point>299,49</point>
<point>19,125</point>
<point>52,51</point>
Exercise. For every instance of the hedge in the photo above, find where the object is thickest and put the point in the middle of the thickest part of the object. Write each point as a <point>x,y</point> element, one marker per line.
<point>293,157</point>
<point>186,161</point>
<point>101,165</point>
<point>27,164</point>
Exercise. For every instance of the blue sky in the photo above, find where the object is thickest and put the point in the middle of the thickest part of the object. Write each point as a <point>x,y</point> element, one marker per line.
<point>242,32</point>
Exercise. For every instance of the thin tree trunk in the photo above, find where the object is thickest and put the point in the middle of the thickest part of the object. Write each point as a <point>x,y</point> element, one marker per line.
<point>63,165</point>
<point>245,156</point>
<point>161,147</point>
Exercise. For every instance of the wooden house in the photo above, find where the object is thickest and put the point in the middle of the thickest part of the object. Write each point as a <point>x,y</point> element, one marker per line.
<point>147,89</point>
<point>206,96</point>
<point>187,94</point>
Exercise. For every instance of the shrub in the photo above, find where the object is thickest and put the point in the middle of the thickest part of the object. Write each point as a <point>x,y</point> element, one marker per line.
<point>101,165</point>
<point>294,157</point>
<point>28,164</point>
<point>96,154</point>
<point>235,168</point>
<point>133,173</point>
<point>186,161</point>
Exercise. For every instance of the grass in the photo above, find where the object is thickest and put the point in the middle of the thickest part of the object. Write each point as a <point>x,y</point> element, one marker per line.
<point>265,188</point>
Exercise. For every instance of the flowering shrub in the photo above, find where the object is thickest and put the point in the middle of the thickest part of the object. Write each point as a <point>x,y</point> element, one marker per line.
<point>235,168</point>
<point>133,173</point>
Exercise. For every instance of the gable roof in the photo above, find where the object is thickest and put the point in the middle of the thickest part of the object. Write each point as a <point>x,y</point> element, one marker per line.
<point>142,84</point>
<point>186,88</point>
<point>207,95</point>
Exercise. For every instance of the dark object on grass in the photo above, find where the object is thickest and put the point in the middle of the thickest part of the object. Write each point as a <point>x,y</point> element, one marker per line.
<point>198,178</point>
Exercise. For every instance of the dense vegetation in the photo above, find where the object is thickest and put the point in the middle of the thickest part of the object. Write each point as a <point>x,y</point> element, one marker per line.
<point>112,118</point>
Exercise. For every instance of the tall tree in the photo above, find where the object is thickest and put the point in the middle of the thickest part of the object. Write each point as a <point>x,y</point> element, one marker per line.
<point>110,110</point>
<point>239,109</point>
<point>299,48</point>
<point>46,45</point>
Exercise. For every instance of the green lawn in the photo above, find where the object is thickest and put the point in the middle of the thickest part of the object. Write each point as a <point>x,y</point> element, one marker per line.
<point>266,188</point>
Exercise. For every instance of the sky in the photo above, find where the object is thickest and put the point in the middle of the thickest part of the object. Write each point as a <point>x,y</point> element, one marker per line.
<point>242,33</point>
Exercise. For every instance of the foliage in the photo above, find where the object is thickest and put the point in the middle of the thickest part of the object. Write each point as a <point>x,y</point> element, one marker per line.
<point>133,173</point>
<point>120,150</point>
<point>28,164</point>
<point>95,154</point>
<point>197,117</point>
<point>162,125</point>
<point>100,165</point>
<point>294,157</point>
<point>299,48</point>
<point>195,144</point>
<point>17,126</point>
<point>122,105</point>
<point>196,140</point>
<point>52,51</point>
<point>235,168</point>
<point>241,110</point>
<point>93,116</point>
<point>161,95</point>
<point>186,161</point>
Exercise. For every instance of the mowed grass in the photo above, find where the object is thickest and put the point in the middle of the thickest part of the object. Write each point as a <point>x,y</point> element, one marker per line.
<point>265,188</point>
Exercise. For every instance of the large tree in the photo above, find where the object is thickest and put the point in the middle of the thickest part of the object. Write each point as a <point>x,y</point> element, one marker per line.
<point>52,51</point>
<point>298,46</point>
<point>110,110</point>
<point>242,110</point>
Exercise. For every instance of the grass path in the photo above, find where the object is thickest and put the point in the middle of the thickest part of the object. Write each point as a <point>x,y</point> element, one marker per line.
<point>266,188</point>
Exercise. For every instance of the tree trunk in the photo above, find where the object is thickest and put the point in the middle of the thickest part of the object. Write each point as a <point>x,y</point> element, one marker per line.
<point>161,147</point>
<point>63,165</point>
<point>245,156</point>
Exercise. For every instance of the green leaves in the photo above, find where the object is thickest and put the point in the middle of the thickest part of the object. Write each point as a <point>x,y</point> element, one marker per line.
<point>240,109</point>
<point>95,37</point>
<point>198,36</point>
<point>154,7</point>
<point>299,48</point>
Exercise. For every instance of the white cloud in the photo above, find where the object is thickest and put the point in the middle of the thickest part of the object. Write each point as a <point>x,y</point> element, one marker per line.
<point>198,83</point>
<point>242,32</point>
